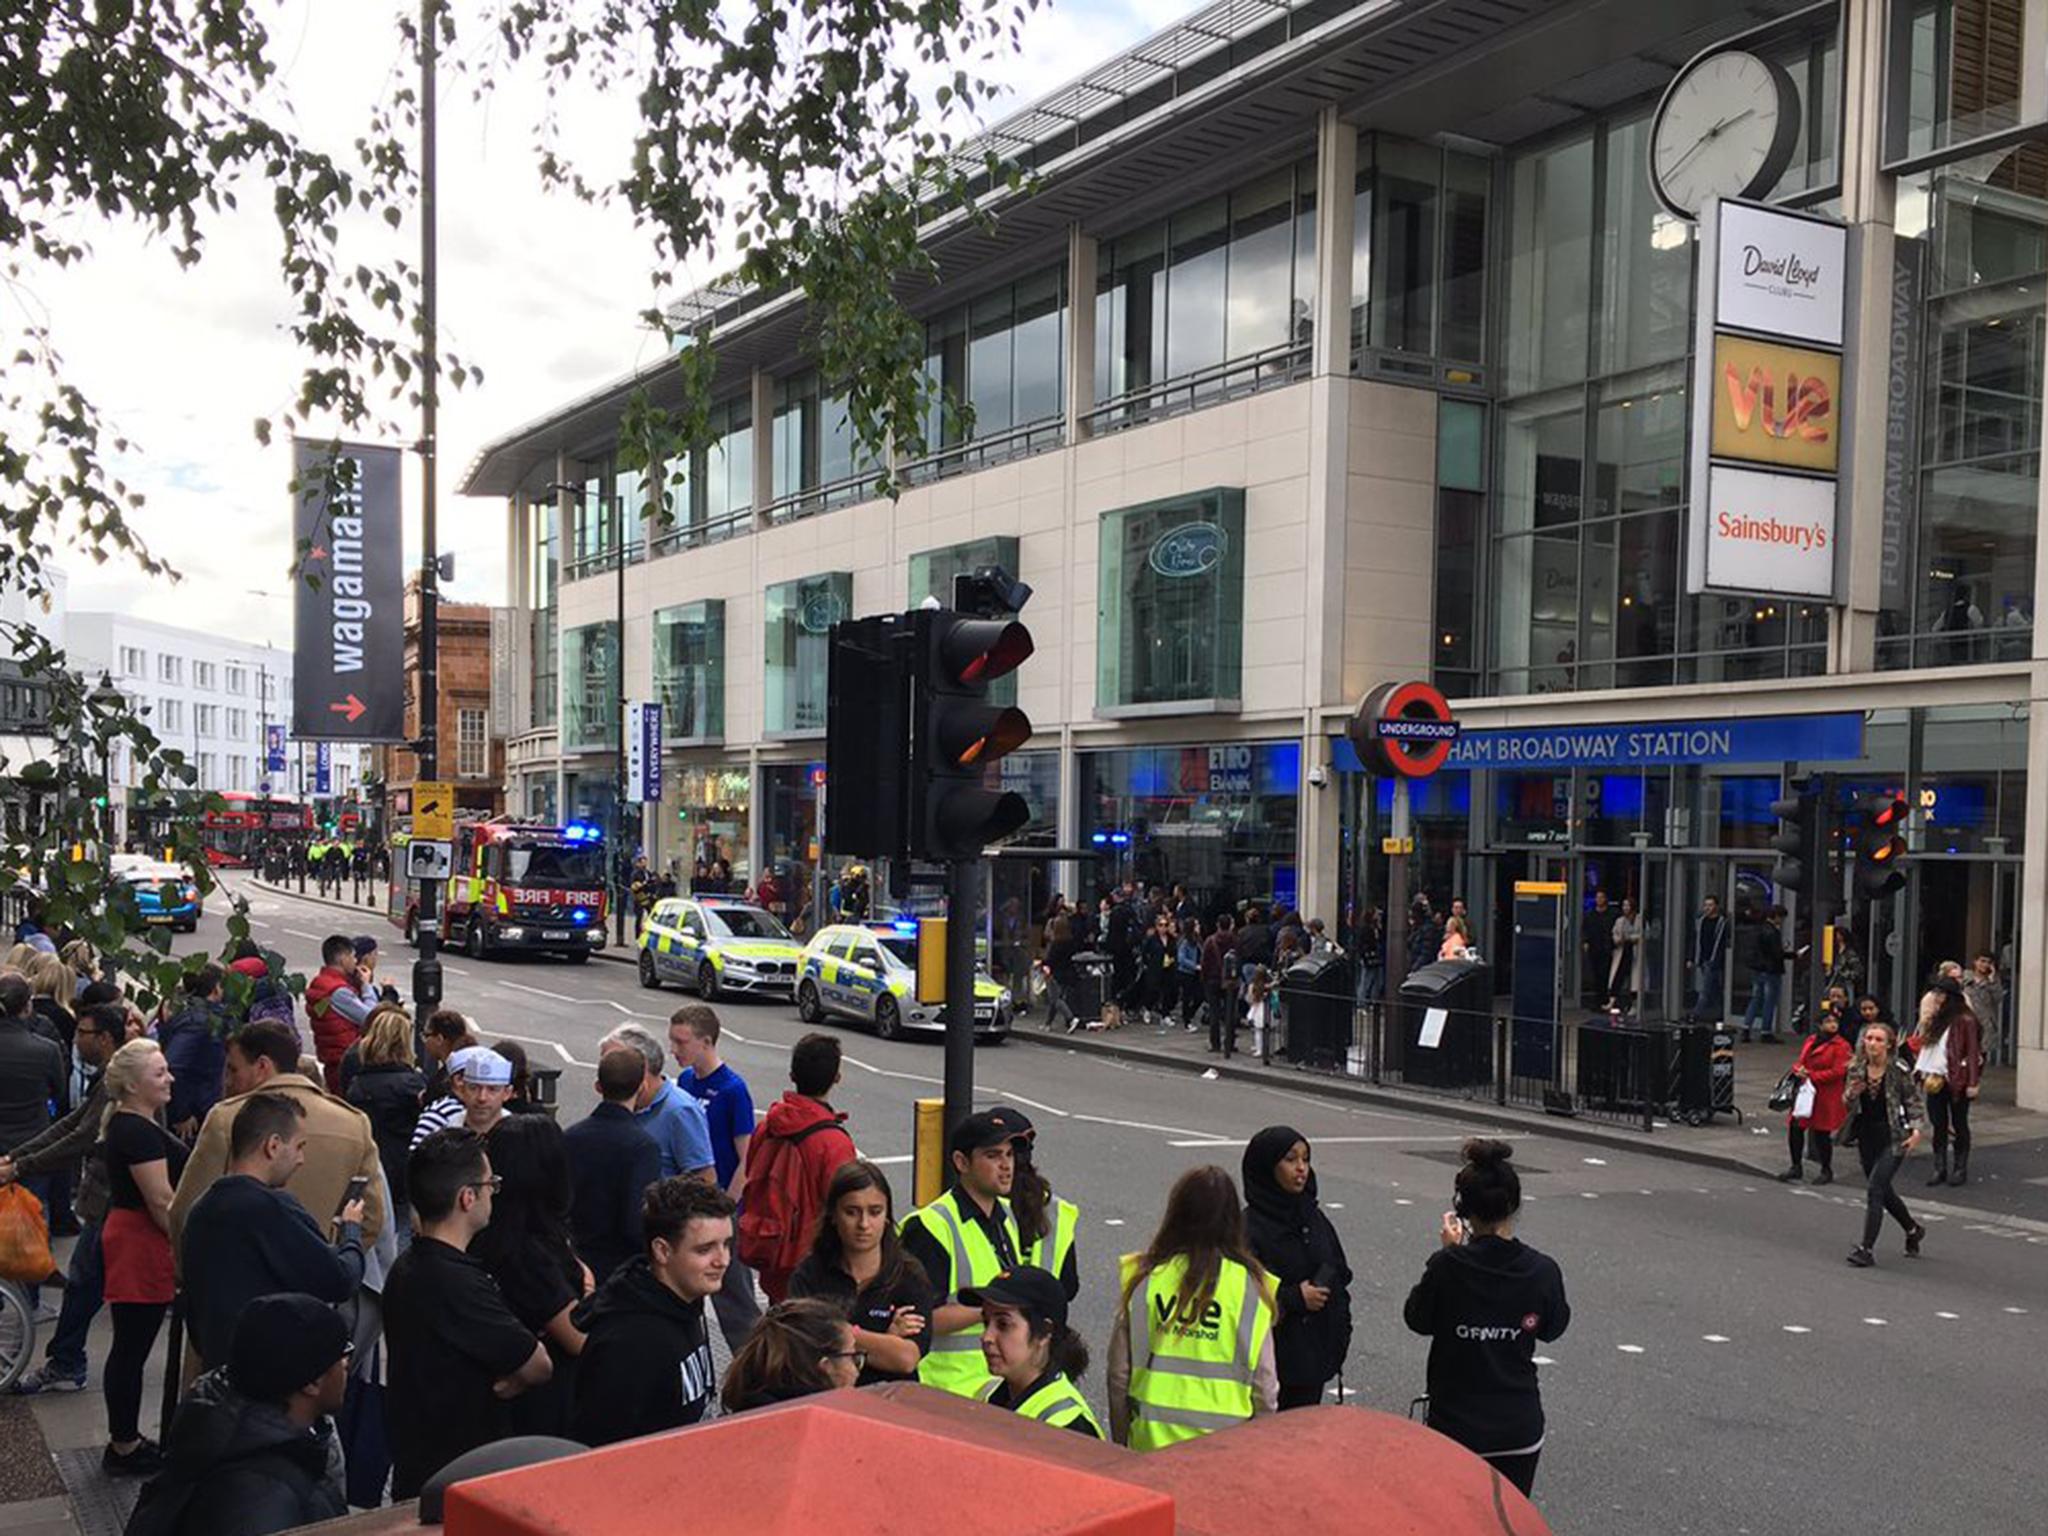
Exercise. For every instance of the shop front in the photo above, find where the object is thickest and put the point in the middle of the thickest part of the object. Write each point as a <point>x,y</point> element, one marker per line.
<point>706,819</point>
<point>1220,818</point>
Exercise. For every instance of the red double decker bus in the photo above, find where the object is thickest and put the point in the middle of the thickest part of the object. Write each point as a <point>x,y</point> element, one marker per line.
<point>236,831</point>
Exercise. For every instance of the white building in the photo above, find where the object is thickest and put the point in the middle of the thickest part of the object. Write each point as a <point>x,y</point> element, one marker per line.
<point>210,698</point>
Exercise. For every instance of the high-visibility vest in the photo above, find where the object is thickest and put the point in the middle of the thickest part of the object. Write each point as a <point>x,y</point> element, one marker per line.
<point>1191,1375</point>
<point>1050,1251</point>
<point>1056,1403</point>
<point>955,1362</point>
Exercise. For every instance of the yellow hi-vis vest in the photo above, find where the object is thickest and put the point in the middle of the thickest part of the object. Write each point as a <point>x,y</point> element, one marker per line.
<point>1050,1252</point>
<point>1057,1403</point>
<point>955,1362</point>
<point>1191,1375</point>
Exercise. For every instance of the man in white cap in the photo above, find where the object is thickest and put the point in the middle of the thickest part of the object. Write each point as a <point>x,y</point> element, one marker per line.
<point>483,1084</point>
<point>451,1109</point>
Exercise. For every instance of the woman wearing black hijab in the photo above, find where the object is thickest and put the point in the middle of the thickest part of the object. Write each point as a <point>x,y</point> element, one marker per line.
<point>1295,1241</point>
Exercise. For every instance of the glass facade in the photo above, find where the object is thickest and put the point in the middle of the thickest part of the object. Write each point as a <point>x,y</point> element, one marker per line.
<point>1419,250</point>
<point>708,806</point>
<point>789,836</point>
<point>689,670</point>
<point>1230,278</point>
<point>543,525</point>
<point>590,689</point>
<point>814,449</point>
<point>932,573</point>
<point>714,490</point>
<point>799,619</point>
<point>1963,70</point>
<point>999,361</point>
<point>1170,604</point>
<point>1219,818</point>
<point>1981,230</point>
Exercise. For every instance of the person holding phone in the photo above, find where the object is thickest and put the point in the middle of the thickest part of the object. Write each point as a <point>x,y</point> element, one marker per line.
<point>1302,1252</point>
<point>248,1236</point>
<point>1484,1301</point>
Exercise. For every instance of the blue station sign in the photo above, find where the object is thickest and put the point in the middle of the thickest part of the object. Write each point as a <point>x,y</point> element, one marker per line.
<point>1653,744</point>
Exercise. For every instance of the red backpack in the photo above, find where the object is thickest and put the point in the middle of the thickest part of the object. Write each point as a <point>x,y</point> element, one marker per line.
<point>779,1216</point>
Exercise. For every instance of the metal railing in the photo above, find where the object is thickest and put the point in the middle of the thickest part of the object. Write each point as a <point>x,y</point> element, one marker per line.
<point>981,451</point>
<point>713,530</point>
<point>828,497</point>
<point>1270,369</point>
<point>603,560</point>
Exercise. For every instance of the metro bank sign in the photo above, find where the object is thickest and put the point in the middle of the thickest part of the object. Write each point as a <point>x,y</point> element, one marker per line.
<point>1767,402</point>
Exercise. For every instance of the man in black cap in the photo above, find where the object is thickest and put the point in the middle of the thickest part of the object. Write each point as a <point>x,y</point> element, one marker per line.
<point>970,1221</point>
<point>253,1448</point>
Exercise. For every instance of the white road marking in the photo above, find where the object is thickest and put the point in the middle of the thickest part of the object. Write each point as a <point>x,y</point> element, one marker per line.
<point>1112,1221</point>
<point>1333,1205</point>
<point>1597,1162</point>
<point>1796,1328</point>
<point>629,1013</point>
<point>1714,1338</point>
<point>454,970</point>
<point>1948,1316</point>
<point>556,1046</point>
<point>1201,1138</point>
<point>1587,1194</point>
<point>1051,1109</point>
<point>2017,1311</point>
<point>1399,1201</point>
<point>558,997</point>
<point>1542,1360</point>
<point>1630,1349</point>
<point>1877,1322</point>
<point>1324,1141</point>
<point>908,1077</point>
<point>256,922</point>
<point>300,933</point>
<point>895,1157</point>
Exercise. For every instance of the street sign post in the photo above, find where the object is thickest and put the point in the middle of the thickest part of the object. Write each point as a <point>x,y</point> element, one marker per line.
<point>433,810</point>
<point>349,629</point>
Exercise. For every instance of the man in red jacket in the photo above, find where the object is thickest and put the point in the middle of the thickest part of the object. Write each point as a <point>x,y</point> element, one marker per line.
<point>337,1002</point>
<point>802,1142</point>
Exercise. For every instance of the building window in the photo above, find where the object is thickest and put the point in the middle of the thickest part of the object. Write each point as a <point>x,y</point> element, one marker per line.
<point>472,745</point>
<point>1170,605</point>
<point>1962,70</point>
<point>932,573</point>
<point>237,681</point>
<point>1214,298</point>
<point>546,668</point>
<point>1974,236</point>
<point>203,675</point>
<point>689,671</point>
<point>1418,251</point>
<point>799,620</point>
<point>1161,798</point>
<point>999,363</point>
<point>590,688</point>
<point>133,662</point>
<point>209,771</point>
<point>238,724</point>
<point>170,717</point>
<point>206,719</point>
<point>170,669</point>
<point>238,772</point>
<point>814,449</point>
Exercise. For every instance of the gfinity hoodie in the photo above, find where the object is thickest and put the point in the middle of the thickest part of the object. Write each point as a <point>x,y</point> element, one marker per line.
<point>646,1362</point>
<point>1484,1305</point>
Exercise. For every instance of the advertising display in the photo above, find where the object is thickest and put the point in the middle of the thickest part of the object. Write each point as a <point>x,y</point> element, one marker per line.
<point>349,624</point>
<point>1767,403</point>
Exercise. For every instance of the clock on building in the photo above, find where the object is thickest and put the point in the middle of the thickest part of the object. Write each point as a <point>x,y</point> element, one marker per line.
<point>1726,127</point>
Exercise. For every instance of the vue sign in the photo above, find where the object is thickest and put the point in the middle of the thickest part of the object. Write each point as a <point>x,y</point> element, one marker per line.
<point>1775,404</point>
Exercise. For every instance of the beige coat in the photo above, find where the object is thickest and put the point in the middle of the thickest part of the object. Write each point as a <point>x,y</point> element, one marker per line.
<point>339,1147</point>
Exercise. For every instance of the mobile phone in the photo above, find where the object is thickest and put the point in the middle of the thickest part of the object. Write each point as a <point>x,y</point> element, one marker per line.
<point>1325,1277</point>
<point>357,1188</point>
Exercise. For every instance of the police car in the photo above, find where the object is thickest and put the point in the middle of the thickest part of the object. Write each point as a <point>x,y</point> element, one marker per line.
<point>165,894</point>
<point>868,972</point>
<point>718,947</point>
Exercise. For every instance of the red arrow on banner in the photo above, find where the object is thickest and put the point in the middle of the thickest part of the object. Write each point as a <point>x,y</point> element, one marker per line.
<point>352,709</point>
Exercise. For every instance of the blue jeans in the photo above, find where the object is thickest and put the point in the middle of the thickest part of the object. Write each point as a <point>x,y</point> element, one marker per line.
<point>85,1280</point>
<point>1706,988</point>
<point>1762,1013</point>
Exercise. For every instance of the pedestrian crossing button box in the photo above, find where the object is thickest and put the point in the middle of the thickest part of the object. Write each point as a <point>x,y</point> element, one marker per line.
<point>429,861</point>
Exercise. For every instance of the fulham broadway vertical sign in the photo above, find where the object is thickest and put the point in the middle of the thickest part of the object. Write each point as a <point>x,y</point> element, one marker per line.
<point>348,538</point>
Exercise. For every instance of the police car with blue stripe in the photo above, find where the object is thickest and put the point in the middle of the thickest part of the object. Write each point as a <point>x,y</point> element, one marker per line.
<point>718,947</point>
<point>868,972</point>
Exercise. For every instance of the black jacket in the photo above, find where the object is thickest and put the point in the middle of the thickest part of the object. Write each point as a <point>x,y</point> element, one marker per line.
<point>1484,1305</point>
<point>31,1081</point>
<point>242,1240</point>
<point>646,1362</point>
<point>237,1468</point>
<point>1296,1242</point>
<point>389,1093</point>
<point>611,1163</point>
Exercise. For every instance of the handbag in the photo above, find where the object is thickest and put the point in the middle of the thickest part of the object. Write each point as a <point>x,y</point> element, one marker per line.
<point>1784,1094</point>
<point>24,1238</point>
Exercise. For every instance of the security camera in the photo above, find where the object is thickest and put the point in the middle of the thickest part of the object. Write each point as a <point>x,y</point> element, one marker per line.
<point>1319,777</point>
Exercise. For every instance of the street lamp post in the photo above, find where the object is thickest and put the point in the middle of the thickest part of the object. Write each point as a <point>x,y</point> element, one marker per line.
<point>107,698</point>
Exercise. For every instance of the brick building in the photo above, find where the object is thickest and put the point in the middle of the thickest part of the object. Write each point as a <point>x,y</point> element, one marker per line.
<point>472,753</point>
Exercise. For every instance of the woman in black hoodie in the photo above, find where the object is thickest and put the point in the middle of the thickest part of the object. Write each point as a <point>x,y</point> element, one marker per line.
<point>1484,1300</point>
<point>1300,1249</point>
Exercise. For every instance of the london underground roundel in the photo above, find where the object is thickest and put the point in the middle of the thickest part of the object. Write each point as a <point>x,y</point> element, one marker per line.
<point>1403,728</point>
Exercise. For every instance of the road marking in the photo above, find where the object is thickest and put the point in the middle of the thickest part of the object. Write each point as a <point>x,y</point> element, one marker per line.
<point>1399,1201</point>
<point>1948,1316</point>
<point>1630,1349</point>
<point>454,970</point>
<point>1333,1205</point>
<point>1051,1109</point>
<point>1542,1360</point>
<point>908,1077</point>
<point>556,1046</point>
<point>2017,1311</point>
<point>300,933</point>
<point>894,1157</point>
<point>1876,1322</point>
<point>1202,1138</point>
<point>1714,1338</point>
<point>1796,1328</point>
<point>1597,1162</point>
<point>629,1013</point>
<point>1324,1141</point>
<point>540,992</point>
<point>257,922</point>
<point>1112,1221</point>
<point>1587,1194</point>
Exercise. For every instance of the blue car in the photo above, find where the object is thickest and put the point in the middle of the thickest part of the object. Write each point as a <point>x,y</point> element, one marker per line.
<point>166,896</point>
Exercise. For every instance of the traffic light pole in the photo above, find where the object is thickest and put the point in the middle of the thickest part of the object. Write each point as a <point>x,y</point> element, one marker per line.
<point>426,970</point>
<point>963,890</point>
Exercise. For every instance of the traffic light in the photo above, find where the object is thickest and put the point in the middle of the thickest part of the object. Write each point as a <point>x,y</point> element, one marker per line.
<point>1802,842</point>
<point>957,733</point>
<point>1880,845</point>
<point>867,692</point>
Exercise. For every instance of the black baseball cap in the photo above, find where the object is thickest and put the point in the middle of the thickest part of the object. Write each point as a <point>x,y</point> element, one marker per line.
<point>1031,1290</point>
<point>1021,1128</point>
<point>984,1128</point>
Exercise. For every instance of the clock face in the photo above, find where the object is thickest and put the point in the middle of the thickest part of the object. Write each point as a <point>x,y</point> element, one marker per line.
<point>1726,128</point>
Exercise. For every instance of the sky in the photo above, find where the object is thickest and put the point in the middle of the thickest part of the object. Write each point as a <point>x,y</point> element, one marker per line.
<point>540,290</point>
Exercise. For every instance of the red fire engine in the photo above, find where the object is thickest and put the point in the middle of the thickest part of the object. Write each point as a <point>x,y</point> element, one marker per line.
<point>516,885</point>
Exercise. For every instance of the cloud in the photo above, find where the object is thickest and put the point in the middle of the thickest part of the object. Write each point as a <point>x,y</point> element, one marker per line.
<point>541,291</point>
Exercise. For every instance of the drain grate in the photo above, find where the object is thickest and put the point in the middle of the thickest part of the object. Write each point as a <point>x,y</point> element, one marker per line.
<point>103,1504</point>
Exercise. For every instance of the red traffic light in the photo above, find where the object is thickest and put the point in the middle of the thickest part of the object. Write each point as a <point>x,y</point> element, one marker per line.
<point>978,651</point>
<point>1886,813</point>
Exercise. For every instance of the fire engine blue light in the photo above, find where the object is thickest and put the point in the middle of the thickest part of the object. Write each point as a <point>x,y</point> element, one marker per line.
<point>579,916</point>
<point>1101,839</point>
<point>1121,839</point>
<point>905,925</point>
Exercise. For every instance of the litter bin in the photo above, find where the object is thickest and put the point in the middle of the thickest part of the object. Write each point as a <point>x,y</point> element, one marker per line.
<point>546,1083</point>
<point>1448,1010</point>
<point>1091,985</point>
<point>1317,999</point>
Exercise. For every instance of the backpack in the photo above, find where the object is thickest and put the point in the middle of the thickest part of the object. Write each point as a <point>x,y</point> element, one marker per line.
<point>778,1220</point>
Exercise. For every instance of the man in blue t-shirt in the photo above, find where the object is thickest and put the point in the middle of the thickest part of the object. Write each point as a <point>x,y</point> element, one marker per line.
<point>674,1119</point>
<point>693,1039</point>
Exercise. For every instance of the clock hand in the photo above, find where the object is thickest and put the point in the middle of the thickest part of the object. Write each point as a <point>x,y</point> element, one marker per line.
<point>1709,136</point>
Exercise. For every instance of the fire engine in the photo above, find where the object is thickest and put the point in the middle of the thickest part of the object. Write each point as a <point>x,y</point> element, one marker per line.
<point>518,885</point>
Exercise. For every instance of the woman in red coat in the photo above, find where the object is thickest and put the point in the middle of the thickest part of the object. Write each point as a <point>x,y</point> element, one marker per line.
<point>1824,1063</point>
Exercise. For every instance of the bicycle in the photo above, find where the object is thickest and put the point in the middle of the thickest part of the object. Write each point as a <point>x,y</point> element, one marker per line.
<point>17,1333</point>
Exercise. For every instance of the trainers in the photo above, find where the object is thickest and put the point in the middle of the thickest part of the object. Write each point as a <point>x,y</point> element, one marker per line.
<point>1861,1258</point>
<point>1914,1239</point>
<point>48,1378</point>
<point>1792,1175</point>
<point>144,1461</point>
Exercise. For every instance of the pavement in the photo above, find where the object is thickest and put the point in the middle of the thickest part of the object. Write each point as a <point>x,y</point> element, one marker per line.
<point>1724,1371</point>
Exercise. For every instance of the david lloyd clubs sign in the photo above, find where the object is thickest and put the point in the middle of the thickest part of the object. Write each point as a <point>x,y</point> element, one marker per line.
<point>349,623</point>
<point>1767,402</point>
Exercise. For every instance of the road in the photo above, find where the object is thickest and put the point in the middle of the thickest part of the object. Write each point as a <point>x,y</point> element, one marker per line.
<point>1725,1371</point>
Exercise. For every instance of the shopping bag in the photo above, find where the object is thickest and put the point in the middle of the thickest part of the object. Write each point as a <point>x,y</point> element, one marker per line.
<point>1802,1104</point>
<point>24,1237</point>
